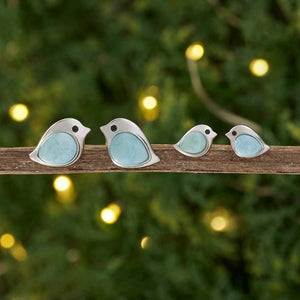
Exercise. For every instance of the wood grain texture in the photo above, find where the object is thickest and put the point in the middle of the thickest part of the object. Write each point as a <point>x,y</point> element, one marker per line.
<point>220,159</point>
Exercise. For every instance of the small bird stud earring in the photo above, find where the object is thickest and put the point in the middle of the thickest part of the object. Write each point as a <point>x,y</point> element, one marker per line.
<point>196,142</point>
<point>128,146</point>
<point>62,144</point>
<point>245,142</point>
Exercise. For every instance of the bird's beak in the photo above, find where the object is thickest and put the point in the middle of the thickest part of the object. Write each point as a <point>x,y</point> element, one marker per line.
<point>86,130</point>
<point>227,134</point>
<point>214,134</point>
<point>103,129</point>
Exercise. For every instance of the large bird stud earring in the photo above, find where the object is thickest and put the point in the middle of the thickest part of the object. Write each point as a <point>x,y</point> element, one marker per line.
<point>62,144</point>
<point>127,145</point>
<point>196,142</point>
<point>245,142</point>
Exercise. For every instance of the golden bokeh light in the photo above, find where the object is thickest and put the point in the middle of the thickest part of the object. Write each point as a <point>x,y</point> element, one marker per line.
<point>62,183</point>
<point>7,240</point>
<point>19,112</point>
<point>194,51</point>
<point>111,213</point>
<point>259,67</point>
<point>149,102</point>
<point>145,241</point>
<point>64,188</point>
<point>219,223</point>
<point>18,252</point>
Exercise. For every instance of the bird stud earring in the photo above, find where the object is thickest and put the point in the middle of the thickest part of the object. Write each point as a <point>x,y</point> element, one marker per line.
<point>196,142</point>
<point>62,144</point>
<point>128,146</point>
<point>245,142</point>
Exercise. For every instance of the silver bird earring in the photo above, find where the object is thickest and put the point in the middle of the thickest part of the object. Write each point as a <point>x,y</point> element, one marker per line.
<point>245,142</point>
<point>196,142</point>
<point>62,144</point>
<point>128,146</point>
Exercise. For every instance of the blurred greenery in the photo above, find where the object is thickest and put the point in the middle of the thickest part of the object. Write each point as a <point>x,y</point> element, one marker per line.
<point>94,60</point>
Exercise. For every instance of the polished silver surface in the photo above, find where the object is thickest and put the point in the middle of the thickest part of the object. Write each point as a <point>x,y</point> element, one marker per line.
<point>209,139</point>
<point>243,129</point>
<point>64,125</point>
<point>125,125</point>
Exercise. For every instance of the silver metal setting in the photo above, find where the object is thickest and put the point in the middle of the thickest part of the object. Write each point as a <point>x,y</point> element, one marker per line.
<point>243,129</point>
<point>125,125</point>
<point>63,125</point>
<point>209,137</point>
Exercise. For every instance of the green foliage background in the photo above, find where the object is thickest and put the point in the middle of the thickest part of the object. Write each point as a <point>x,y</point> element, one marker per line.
<point>92,60</point>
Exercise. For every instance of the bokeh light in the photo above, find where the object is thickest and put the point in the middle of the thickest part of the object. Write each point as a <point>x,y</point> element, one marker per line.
<point>62,183</point>
<point>149,106</point>
<point>19,112</point>
<point>219,223</point>
<point>145,242</point>
<point>64,188</point>
<point>149,102</point>
<point>194,51</point>
<point>18,252</point>
<point>259,67</point>
<point>111,213</point>
<point>7,240</point>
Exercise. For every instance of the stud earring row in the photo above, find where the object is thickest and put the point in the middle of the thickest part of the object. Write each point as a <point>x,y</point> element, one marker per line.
<point>128,147</point>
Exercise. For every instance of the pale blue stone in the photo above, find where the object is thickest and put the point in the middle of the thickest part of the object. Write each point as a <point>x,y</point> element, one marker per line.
<point>128,150</point>
<point>246,145</point>
<point>194,143</point>
<point>59,148</point>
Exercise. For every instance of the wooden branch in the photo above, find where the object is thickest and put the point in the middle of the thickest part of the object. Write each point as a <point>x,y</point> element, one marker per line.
<point>220,159</point>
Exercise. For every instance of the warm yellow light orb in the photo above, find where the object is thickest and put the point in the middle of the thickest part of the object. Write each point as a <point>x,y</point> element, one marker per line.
<point>149,102</point>
<point>110,214</point>
<point>259,67</point>
<point>18,112</point>
<point>145,242</point>
<point>194,51</point>
<point>62,183</point>
<point>19,252</point>
<point>218,223</point>
<point>7,240</point>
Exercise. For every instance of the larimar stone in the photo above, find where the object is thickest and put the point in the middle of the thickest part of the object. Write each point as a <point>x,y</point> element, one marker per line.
<point>246,145</point>
<point>128,150</point>
<point>59,149</point>
<point>194,143</point>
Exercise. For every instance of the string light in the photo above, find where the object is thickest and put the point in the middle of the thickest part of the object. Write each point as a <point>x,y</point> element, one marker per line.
<point>19,252</point>
<point>64,188</point>
<point>7,240</point>
<point>111,213</point>
<point>259,67</point>
<point>149,102</point>
<point>19,112</point>
<point>219,223</point>
<point>145,242</point>
<point>194,51</point>
<point>62,183</point>
<point>149,107</point>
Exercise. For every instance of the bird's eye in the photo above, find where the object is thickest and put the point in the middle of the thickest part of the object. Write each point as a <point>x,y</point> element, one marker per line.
<point>75,128</point>
<point>113,128</point>
<point>233,132</point>
<point>207,131</point>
